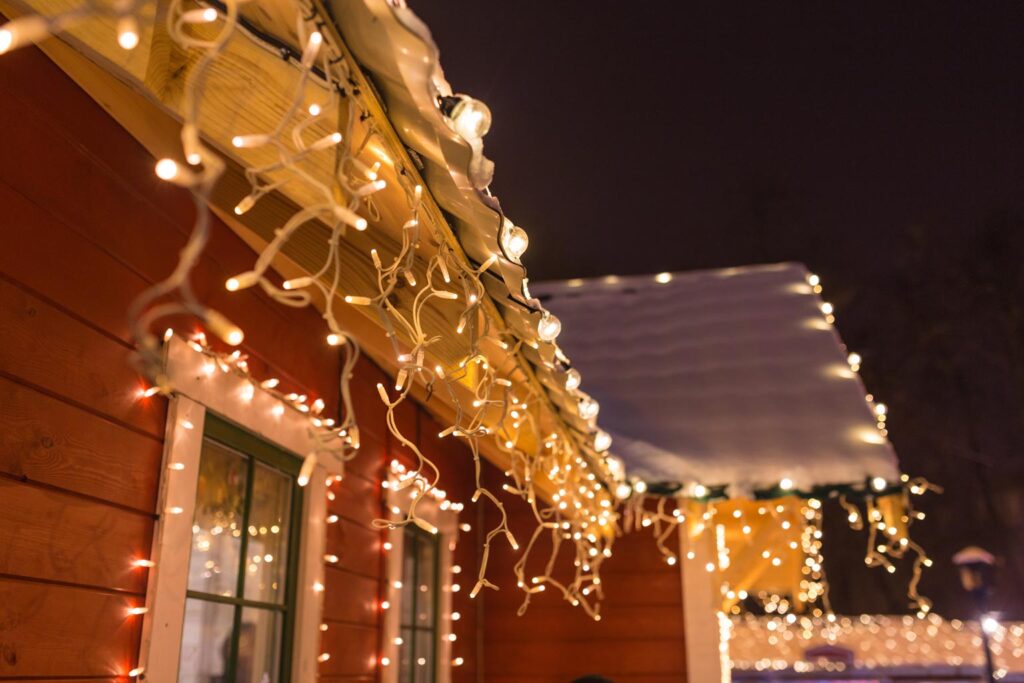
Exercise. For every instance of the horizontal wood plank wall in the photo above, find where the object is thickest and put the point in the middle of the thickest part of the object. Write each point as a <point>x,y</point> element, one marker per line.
<point>86,227</point>
<point>638,640</point>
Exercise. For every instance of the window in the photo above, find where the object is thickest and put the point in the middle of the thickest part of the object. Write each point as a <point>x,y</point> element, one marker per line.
<point>418,607</point>
<point>418,617</point>
<point>240,599</point>
<point>214,613</point>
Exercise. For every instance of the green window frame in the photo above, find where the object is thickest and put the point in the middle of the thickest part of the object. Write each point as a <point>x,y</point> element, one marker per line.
<point>256,452</point>
<point>414,540</point>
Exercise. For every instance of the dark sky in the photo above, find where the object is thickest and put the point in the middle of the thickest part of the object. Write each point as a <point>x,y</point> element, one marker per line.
<point>879,143</point>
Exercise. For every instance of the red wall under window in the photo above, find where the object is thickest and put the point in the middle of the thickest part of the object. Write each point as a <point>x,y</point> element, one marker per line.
<point>85,227</point>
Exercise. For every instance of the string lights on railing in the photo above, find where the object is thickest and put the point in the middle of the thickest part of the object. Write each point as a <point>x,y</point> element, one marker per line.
<point>876,642</point>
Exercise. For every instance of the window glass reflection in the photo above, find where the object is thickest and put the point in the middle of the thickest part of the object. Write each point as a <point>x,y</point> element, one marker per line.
<point>206,642</point>
<point>217,523</point>
<point>269,519</point>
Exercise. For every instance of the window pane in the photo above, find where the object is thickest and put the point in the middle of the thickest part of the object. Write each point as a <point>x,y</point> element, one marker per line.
<point>424,664</point>
<point>217,525</point>
<point>405,668</point>
<point>426,581</point>
<point>407,600</point>
<point>205,642</point>
<point>267,560</point>
<point>259,647</point>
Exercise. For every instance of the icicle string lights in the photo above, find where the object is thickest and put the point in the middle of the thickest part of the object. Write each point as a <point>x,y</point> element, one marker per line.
<point>490,402</point>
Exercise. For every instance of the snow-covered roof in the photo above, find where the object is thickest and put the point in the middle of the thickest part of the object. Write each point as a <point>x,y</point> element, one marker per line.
<point>732,376</point>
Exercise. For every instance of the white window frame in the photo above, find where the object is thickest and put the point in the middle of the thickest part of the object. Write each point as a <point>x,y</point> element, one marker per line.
<point>227,394</point>
<point>446,521</point>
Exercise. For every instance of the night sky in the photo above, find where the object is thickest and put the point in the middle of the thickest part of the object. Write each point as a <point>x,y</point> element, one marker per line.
<point>879,143</point>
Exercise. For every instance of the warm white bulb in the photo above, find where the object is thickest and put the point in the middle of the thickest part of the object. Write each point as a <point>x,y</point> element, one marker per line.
<point>199,16</point>
<point>471,118</point>
<point>878,484</point>
<point>813,280</point>
<point>247,203</point>
<point>623,490</point>
<point>786,484</point>
<point>548,327</point>
<point>602,441</point>
<point>166,169</point>
<point>663,278</point>
<point>572,379</point>
<point>881,409</point>
<point>514,241</point>
<point>30,29</point>
<point>827,308</point>
<point>989,624</point>
<point>854,360</point>
<point>127,33</point>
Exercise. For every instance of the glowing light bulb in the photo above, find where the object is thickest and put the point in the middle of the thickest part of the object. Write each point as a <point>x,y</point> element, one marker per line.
<point>314,109</point>
<point>663,278</point>
<point>878,484</point>
<point>199,16</point>
<point>549,327</point>
<point>167,169</point>
<point>242,141</point>
<point>30,29</point>
<point>307,469</point>
<point>514,241</point>
<point>223,328</point>
<point>471,118</point>
<point>136,672</point>
<point>316,39</point>
<point>244,205</point>
<point>127,33</point>
<point>881,409</point>
<point>335,339</point>
<point>623,490</point>
<point>827,308</point>
<point>786,484</point>
<point>602,441</point>
<point>572,379</point>
<point>854,360</point>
